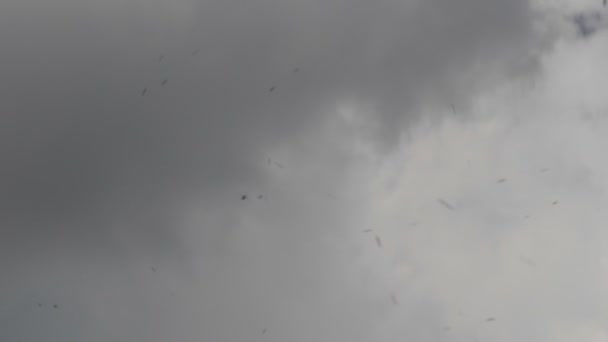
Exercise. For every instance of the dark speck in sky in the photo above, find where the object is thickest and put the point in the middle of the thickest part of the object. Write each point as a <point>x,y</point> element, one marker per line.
<point>445,204</point>
<point>378,241</point>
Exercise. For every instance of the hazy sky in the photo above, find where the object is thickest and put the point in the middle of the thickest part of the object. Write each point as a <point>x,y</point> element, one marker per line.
<point>469,136</point>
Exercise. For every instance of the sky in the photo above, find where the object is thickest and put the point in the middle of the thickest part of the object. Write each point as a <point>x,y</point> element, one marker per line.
<point>303,170</point>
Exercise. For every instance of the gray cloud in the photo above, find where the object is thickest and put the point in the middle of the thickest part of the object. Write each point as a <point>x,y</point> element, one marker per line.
<point>100,183</point>
<point>77,136</point>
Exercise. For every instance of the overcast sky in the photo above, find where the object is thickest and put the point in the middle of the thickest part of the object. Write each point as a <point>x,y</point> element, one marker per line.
<point>303,170</point>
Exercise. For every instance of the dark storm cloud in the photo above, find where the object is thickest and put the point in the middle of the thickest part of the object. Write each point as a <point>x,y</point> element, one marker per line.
<point>76,137</point>
<point>101,139</point>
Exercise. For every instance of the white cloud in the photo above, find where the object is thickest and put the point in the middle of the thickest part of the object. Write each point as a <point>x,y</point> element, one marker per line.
<point>506,251</point>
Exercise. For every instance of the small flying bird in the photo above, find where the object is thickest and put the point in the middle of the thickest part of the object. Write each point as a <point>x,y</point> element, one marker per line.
<point>144,91</point>
<point>244,197</point>
<point>490,319</point>
<point>445,204</point>
<point>263,331</point>
<point>153,269</point>
<point>502,180</point>
<point>378,241</point>
<point>55,306</point>
<point>195,52</point>
<point>555,202</point>
<point>544,169</point>
<point>368,230</point>
<point>296,69</point>
<point>260,196</point>
<point>271,89</point>
<point>164,82</point>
